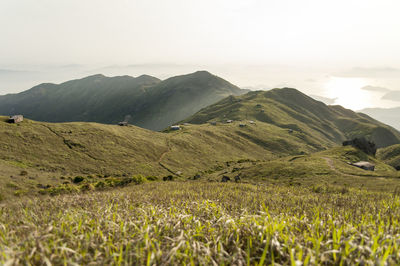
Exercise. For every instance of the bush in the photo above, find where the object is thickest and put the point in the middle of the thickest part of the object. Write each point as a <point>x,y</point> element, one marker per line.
<point>168,178</point>
<point>362,144</point>
<point>138,179</point>
<point>60,190</point>
<point>78,179</point>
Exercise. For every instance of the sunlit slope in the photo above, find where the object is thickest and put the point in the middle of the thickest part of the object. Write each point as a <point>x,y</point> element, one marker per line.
<point>288,108</point>
<point>72,148</point>
<point>327,170</point>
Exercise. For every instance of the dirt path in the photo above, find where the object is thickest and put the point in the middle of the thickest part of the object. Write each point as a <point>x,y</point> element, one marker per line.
<point>329,161</point>
<point>164,153</point>
<point>162,156</point>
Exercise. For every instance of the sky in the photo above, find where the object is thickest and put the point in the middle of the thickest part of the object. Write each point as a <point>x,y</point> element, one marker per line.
<point>330,49</point>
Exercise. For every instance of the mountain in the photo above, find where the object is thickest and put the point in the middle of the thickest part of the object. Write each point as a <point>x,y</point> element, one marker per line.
<point>145,101</point>
<point>389,116</point>
<point>285,123</point>
<point>313,121</point>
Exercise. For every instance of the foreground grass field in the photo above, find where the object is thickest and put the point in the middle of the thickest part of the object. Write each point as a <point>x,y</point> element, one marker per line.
<point>199,222</point>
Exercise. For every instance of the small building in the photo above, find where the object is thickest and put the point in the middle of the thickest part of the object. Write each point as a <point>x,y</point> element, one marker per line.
<point>176,127</point>
<point>364,165</point>
<point>213,123</point>
<point>290,131</point>
<point>242,125</point>
<point>252,122</point>
<point>229,121</point>
<point>122,124</point>
<point>16,119</point>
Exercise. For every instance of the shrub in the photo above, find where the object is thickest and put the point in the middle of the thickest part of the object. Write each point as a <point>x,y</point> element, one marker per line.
<point>362,144</point>
<point>168,178</point>
<point>60,190</point>
<point>138,179</point>
<point>78,179</point>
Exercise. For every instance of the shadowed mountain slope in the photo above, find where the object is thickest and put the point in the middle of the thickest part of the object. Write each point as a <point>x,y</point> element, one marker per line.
<point>145,101</point>
<point>311,120</point>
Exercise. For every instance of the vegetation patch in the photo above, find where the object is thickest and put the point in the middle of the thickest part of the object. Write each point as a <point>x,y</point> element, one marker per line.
<point>81,184</point>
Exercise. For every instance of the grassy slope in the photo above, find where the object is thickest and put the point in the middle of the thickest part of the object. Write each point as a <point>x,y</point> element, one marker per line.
<point>390,155</point>
<point>319,124</point>
<point>327,169</point>
<point>51,152</point>
<point>60,150</point>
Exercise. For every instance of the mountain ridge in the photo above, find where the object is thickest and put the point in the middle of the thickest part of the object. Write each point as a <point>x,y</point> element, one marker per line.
<point>149,102</point>
<point>292,109</point>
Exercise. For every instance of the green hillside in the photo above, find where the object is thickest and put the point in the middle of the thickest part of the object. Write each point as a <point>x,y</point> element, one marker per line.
<point>84,193</point>
<point>309,119</point>
<point>326,170</point>
<point>50,151</point>
<point>390,155</point>
<point>145,101</point>
<point>285,123</point>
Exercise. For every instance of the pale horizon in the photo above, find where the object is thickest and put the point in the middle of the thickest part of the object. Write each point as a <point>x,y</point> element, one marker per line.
<point>332,50</point>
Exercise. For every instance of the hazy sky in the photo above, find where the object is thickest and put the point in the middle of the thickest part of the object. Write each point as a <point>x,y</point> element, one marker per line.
<point>302,43</point>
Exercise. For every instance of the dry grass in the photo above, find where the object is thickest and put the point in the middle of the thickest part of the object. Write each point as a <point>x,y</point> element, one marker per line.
<point>203,223</point>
